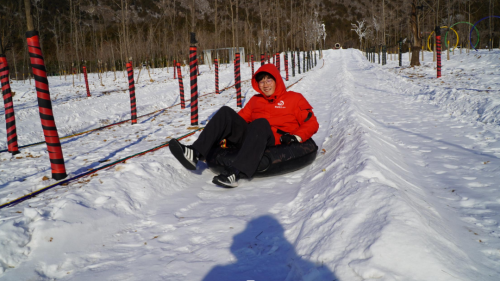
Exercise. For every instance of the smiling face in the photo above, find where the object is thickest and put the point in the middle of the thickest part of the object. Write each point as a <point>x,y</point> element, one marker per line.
<point>267,85</point>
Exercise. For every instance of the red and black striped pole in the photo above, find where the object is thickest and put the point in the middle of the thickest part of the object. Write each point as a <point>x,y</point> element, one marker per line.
<point>131,89</point>
<point>45,106</point>
<point>278,61</point>
<point>175,69</point>
<point>217,76</point>
<point>86,80</point>
<point>181,85</point>
<point>262,59</point>
<point>238,81</point>
<point>251,58</point>
<point>293,63</point>
<point>438,50</point>
<point>194,82</point>
<point>10,119</point>
<point>274,60</point>
<point>286,66</point>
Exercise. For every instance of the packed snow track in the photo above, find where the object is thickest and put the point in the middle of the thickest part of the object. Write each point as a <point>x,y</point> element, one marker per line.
<point>403,187</point>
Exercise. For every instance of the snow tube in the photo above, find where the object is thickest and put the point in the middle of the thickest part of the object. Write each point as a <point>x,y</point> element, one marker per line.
<point>277,160</point>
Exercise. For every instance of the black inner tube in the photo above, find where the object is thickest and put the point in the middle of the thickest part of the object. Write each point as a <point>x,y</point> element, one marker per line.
<point>277,160</point>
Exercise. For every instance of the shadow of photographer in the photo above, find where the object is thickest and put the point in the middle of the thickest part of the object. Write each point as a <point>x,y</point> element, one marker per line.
<point>263,254</point>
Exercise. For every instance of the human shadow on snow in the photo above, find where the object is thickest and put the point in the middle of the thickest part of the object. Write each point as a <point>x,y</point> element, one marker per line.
<point>263,254</point>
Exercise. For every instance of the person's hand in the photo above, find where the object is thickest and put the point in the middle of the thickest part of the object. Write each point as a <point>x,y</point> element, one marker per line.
<point>288,139</point>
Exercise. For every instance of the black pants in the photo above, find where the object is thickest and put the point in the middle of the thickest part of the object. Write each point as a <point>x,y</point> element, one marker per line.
<point>251,138</point>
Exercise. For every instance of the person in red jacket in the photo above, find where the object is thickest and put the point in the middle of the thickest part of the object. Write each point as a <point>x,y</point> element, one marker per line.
<point>273,117</point>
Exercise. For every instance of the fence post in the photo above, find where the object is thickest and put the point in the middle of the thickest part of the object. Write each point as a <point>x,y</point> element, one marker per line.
<point>286,66</point>
<point>384,55</point>
<point>174,67</point>
<point>86,80</point>
<point>45,106</point>
<point>378,54</point>
<point>298,60</point>
<point>400,52</point>
<point>131,89</point>
<point>252,59</point>
<point>181,85</point>
<point>10,118</point>
<point>262,58</point>
<point>293,63</point>
<point>194,80</point>
<point>304,62</point>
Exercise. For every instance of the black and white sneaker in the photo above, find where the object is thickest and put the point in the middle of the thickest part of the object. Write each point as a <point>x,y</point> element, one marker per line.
<point>228,178</point>
<point>186,155</point>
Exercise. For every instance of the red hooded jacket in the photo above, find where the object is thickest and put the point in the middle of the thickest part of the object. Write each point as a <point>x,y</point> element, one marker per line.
<point>286,111</point>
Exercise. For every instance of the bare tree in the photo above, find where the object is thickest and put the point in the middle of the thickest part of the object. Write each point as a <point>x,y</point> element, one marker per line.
<point>416,34</point>
<point>361,30</point>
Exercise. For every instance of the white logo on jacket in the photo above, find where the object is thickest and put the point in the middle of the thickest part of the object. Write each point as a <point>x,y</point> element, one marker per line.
<point>280,104</point>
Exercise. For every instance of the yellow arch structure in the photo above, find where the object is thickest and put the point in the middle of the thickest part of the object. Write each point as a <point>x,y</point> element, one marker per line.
<point>429,38</point>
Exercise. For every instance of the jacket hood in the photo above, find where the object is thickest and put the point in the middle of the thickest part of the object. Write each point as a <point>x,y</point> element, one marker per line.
<point>280,85</point>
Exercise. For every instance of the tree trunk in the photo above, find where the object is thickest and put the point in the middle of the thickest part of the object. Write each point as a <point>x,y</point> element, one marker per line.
<point>416,44</point>
<point>29,18</point>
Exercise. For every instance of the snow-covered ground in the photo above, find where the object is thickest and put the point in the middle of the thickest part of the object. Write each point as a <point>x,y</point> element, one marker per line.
<point>406,184</point>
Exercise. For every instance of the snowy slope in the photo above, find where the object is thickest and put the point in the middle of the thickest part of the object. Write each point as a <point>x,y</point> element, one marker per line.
<point>405,186</point>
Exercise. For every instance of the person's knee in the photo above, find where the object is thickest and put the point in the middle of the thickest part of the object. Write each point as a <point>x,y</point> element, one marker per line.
<point>224,112</point>
<point>260,123</point>
<point>225,109</point>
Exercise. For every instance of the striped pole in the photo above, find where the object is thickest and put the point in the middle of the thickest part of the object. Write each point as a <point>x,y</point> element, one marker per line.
<point>274,61</point>
<point>217,76</point>
<point>438,50</point>
<point>10,118</point>
<point>234,68</point>
<point>286,66</point>
<point>45,106</point>
<point>251,58</point>
<point>86,80</point>
<point>194,85</point>
<point>131,89</point>
<point>278,61</point>
<point>181,85</point>
<point>293,64</point>
<point>175,65</point>
<point>262,59</point>
<point>238,81</point>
